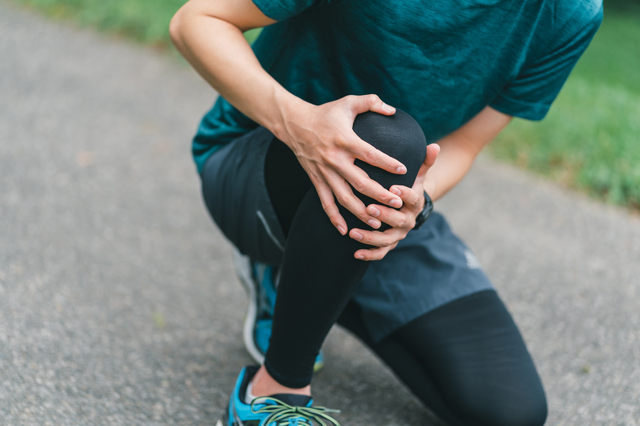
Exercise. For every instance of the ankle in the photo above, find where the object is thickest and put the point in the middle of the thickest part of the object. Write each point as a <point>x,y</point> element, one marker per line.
<point>265,385</point>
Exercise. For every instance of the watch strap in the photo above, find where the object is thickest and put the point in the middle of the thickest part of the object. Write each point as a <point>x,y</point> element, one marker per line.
<point>426,211</point>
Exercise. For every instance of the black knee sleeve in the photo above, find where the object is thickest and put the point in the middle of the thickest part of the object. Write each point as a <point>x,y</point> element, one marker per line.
<point>398,136</point>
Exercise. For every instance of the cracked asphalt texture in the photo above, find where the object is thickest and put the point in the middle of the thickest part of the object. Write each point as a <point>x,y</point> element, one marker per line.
<point>118,301</point>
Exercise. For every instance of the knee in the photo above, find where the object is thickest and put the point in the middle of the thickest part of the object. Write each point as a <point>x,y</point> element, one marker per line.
<point>529,414</point>
<point>530,410</point>
<point>398,136</point>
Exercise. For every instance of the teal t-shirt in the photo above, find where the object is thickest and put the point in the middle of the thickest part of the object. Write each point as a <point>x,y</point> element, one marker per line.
<point>442,61</point>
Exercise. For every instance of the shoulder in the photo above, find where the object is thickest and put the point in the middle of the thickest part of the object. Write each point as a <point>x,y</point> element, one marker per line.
<point>569,18</point>
<point>561,24</point>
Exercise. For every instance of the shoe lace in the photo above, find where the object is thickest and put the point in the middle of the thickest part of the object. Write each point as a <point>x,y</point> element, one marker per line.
<point>282,414</point>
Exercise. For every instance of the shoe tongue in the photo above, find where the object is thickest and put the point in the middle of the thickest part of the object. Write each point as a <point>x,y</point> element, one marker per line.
<point>294,400</point>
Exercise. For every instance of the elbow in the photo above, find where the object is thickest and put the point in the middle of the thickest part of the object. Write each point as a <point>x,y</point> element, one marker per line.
<point>176,27</point>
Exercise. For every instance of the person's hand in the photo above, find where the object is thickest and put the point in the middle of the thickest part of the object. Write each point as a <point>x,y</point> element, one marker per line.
<point>401,221</point>
<point>323,140</point>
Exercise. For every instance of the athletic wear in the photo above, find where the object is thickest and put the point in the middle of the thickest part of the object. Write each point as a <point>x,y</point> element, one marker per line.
<point>429,268</point>
<point>466,361</point>
<point>259,281</point>
<point>276,410</point>
<point>441,61</point>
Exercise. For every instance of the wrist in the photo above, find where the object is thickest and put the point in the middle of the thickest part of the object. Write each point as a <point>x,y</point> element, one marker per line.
<point>430,188</point>
<point>289,110</point>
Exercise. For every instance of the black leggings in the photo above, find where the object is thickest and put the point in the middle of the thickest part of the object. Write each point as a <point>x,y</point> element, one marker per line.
<point>466,360</point>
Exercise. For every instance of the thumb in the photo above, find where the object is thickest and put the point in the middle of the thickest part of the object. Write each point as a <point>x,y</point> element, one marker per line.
<point>432,154</point>
<point>371,103</point>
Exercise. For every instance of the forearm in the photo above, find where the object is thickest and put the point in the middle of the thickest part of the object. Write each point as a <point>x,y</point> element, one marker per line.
<point>219,52</point>
<point>459,150</point>
<point>453,163</point>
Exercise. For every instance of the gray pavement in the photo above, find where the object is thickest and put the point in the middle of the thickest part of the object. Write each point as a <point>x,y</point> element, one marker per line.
<point>118,302</point>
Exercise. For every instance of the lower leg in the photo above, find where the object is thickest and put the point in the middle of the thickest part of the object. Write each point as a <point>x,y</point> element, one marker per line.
<point>318,275</point>
<point>288,185</point>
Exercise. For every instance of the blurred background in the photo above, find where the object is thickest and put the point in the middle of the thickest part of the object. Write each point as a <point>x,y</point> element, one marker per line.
<point>590,141</point>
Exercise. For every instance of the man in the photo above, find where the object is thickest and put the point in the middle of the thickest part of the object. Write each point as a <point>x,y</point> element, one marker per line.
<point>301,124</point>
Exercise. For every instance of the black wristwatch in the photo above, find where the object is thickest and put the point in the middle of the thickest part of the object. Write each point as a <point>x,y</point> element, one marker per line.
<point>426,211</point>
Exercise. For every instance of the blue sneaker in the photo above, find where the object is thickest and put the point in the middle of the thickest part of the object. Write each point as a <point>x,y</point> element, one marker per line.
<point>276,410</point>
<point>259,281</point>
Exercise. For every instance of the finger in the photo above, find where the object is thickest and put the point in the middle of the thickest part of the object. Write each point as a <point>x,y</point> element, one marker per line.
<point>432,154</point>
<point>367,153</point>
<point>348,200</point>
<point>373,254</point>
<point>376,238</point>
<point>330,208</point>
<point>410,196</point>
<point>360,104</point>
<point>362,183</point>
<point>392,217</point>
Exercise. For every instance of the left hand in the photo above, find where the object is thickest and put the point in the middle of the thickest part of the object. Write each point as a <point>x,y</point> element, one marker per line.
<point>401,221</point>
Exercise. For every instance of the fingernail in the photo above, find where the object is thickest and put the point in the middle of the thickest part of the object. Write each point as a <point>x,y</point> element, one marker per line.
<point>401,170</point>
<point>374,212</point>
<point>359,256</point>
<point>341,230</point>
<point>393,203</point>
<point>388,108</point>
<point>357,236</point>
<point>396,191</point>
<point>373,223</point>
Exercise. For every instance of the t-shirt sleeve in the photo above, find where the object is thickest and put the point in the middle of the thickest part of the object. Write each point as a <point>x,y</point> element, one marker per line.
<point>530,94</point>
<point>280,10</point>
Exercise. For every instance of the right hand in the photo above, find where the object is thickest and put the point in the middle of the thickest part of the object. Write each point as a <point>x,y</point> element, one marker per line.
<point>323,140</point>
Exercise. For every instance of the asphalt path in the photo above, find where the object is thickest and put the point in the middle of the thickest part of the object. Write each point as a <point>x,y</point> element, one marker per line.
<point>118,301</point>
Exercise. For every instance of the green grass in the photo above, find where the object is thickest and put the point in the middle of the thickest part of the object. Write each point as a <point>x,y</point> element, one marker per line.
<point>591,138</point>
<point>589,141</point>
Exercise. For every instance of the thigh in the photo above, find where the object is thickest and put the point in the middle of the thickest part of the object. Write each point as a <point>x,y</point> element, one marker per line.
<point>236,196</point>
<point>287,182</point>
<point>474,351</point>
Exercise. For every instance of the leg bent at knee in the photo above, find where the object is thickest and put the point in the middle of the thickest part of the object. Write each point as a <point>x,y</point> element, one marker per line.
<point>319,271</point>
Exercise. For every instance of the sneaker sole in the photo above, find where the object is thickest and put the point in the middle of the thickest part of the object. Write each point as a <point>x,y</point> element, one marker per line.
<point>243,271</point>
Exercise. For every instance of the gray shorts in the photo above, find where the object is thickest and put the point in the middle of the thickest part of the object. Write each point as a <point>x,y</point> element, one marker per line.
<point>429,268</point>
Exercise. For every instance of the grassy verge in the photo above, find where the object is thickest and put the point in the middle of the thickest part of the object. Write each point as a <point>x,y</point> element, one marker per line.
<point>591,138</point>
